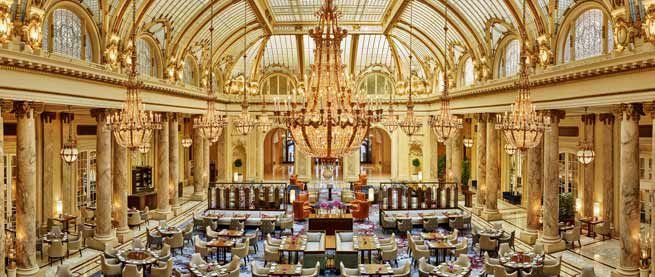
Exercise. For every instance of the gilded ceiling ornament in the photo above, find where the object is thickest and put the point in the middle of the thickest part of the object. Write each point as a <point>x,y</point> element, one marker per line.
<point>127,54</point>
<point>111,53</point>
<point>6,24</point>
<point>485,72</point>
<point>171,69</point>
<point>649,23</point>
<point>623,33</point>
<point>545,54</point>
<point>33,31</point>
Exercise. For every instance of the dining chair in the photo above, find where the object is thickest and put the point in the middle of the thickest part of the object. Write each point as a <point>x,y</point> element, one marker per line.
<point>74,244</point>
<point>56,251</point>
<point>131,270</point>
<point>110,267</point>
<point>348,272</point>
<point>162,269</point>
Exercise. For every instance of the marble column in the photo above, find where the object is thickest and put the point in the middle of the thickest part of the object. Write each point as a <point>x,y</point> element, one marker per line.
<point>588,123</point>
<point>163,211</point>
<point>2,195</point>
<point>199,192</point>
<point>119,168</point>
<point>457,153</point>
<point>492,171</point>
<point>26,261</point>
<point>449,160</point>
<point>481,154</point>
<point>629,185</point>
<point>535,191</point>
<point>550,238</point>
<point>104,234</point>
<point>604,164</point>
<point>206,144</point>
<point>51,148</point>
<point>173,161</point>
<point>68,184</point>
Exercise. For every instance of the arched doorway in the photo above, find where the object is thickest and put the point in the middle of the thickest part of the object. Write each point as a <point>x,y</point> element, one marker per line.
<point>375,153</point>
<point>279,154</point>
<point>239,161</point>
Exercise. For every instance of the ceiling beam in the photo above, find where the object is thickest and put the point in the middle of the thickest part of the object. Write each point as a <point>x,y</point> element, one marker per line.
<point>259,9</point>
<point>353,54</point>
<point>392,14</point>
<point>396,58</point>
<point>426,70</point>
<point>300,49</point>
<point>258,59</point>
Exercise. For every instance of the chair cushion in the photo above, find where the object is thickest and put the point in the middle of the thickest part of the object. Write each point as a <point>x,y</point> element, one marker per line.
<point>314,237</point>
<point>346,237</point>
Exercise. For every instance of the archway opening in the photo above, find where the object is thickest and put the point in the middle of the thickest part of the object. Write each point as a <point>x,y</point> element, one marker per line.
<point>279,154</point>
<point>375,153</point>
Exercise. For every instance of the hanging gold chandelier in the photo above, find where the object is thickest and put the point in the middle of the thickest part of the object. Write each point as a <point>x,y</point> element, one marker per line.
<point>69,151</point>
<point>264,124</point>
<point>410,125</point>
<point>244,124</point>
<point>211,124</point>
<point>444,123</point>
<point>390,122</point>
<point>585,153</point>
<point>326,117</point>
<point>523,127</point>
<point>133,126</point>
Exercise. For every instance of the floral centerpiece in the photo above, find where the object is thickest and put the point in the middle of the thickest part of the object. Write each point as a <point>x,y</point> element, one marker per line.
<point>330,207</point>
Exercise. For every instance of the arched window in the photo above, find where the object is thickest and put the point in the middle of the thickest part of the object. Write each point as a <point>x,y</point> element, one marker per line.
<point>64,34</point>
<point>277,84</point>
<point>289,149</point>
<point>376,84</point>
<point>589,34</point>
<point>468,72</point>
<point>144,59</point>
<point>189,71</point>
<point>366,151</point>
<point>512,57</point>
<point>567,49</point>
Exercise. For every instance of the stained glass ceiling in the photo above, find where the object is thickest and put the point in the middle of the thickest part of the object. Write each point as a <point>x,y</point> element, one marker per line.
<point>381,30</point>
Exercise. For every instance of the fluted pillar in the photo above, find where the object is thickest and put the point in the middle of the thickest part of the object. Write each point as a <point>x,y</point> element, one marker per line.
<point>197,147</point>
<point>206,144</point>
<point>457,153</point>
<point>26,262</point>
<point>629,185</point>
<point>481,155</point>
<point>103,232</point>
<point>551,239</point>
<point>492,171</point>
<point>604,166</point>
<point>535,191</point>
<point>119,168</point>
<point>2,195</point>
<point>173,161</point>
<point>163,207</point>
<point>588,122</point>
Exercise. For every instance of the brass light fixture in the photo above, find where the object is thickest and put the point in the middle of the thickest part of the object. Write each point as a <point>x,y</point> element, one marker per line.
<point>211,124</point>
<point>244,124</point>
<point>509,149</point>
<point>264,124</point>
<point>585,153</point>
<point>524,126</point>
<point>6,24</point>
<point>133,126</point>
<point>186,141</point>
<point>390,122</point>
<point>325,115</point>
<point>33,30</point>
<point>444,123</point>
<point>468,142</point>
<point>69,151</point>
<point>410,125</point>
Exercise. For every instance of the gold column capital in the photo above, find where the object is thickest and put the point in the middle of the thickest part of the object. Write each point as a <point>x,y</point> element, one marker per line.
<point>588,119</point>
<point>100,114</point>
<point>632,111</point>
<point>555,115</point>
<point>606,118</point>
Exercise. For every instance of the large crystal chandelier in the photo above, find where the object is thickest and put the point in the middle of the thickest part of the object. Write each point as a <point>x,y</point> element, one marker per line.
<point>211,124</point>
<point>327,119</point>
<point>585,153</point>
<point>390,122</point>
<point>524,126</point>
<point>244,124</point>
<point>264,124</point>
<point>444,123</point>
<point>133,126</point>
<point>410,125</point>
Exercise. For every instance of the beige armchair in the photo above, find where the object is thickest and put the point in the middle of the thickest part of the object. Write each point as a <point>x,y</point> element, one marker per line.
<point>311,272</point>
<point>538,249</point>
<point>430,224</point>
<point>553,267</point>
<point>456,223</point>
<point>273,241</point>
<point>348,272</point>
<point>241,250</point>
<point>489,264</point>
<point>503,249</point>
<point>201,246</point>
<point>74,244</point>
<point>131,270</point>
<point>268,227</point>
<point>604,229</point>
<point>211,234</point>
<point>390,240</point>
<point>176,242</point>
<point>488,244</point>
<point>315,249</point>
<point>271,253</point>
<point>572,236</point>
<point>137,243</point>
<point>425,269</point>
<point>404,225</point>
<point>64,271</point>
<point>420,251</point>
<point>164,253</point>
<point>461,248</point>
<point>134,219</point>
<point>499,271</point>
<point>452,237</point>
<point>56,251</point>
<point>412,241</point>
<point>258,271</point>
<point>252,240</point>
<point>187,232</point>
<point>403,271</point>
<point>463,260</point>
<point>153,238</point>
<point>110,267</point>
<point>389,252</point>
<point>388,223</point>
<point>196,260</point>
<point>286,222</point>
<point>162,269</point>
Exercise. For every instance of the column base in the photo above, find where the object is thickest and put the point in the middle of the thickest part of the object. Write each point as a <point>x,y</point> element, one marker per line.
<point>477,210</point>
<point>162,214</point>
<point>552,246</point>
<point>198,197</point>
<point>176,209</point>
<point>34,271</point>
<point>124,235</point>
<point>101,243</point>
<point>625,271</point>
<point>529,236</point>
<point>490,215</point>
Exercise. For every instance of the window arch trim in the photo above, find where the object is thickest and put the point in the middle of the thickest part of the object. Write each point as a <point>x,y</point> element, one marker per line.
<point>155,51</point>
<point>87,24</point>
<point>567,28</point>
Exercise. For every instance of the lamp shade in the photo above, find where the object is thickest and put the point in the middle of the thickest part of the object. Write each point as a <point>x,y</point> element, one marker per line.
<point>468,142</point>
<point>585,155</point>
<point>69,152</point>
<point>186,142</point>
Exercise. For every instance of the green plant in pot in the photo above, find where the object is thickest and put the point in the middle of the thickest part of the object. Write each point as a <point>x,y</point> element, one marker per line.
<point>441,164</point>
<point>466,172</point>
<point>566,209</point>
<point>238,164</point>
<point>416,163</point>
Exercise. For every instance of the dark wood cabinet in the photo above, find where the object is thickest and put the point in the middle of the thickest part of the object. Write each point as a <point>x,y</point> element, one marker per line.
<point>141,200</point>
<point>330,223</point>
<point>142,179</point>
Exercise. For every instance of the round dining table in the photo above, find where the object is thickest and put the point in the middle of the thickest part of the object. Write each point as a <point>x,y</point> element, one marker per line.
<point>521,261</point>
<point>450,270</point>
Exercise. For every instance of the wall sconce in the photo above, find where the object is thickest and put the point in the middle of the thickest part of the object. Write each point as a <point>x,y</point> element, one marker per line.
<point>468,142</point>
<point>59,207</point>
<point>6,25</point>
<point>596,210</point>
<point>292,196</point>
<point>578,204</point>
<point>33,30</point>
<point>371,194</point>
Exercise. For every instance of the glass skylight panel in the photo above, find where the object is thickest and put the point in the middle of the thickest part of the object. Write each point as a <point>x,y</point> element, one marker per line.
<point>373,50</point>
<point>283,51</point>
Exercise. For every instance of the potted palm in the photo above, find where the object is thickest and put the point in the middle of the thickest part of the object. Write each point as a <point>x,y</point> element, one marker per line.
<point>238,164</point>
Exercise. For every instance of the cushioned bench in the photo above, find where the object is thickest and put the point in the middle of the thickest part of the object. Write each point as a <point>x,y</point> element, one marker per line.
<point>418,215</point>
<point>253,219</point>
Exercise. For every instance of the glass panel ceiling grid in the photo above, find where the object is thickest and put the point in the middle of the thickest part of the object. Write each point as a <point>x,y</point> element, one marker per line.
<point>373,50</point>
<point>251,56</point>
<point>431,24</point>
<point>281,51</point>
<point>403,55</point>
<point>176,12</point>
<point>227,24</point>
<point>304,10</point>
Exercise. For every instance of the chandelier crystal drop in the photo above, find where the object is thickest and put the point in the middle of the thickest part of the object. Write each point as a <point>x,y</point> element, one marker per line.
<point>444,123</point>
<point>585,153</point>
<point>145,148</point>
<point>325,115</point>
<point>523,127</point>
<point>468,142</point>
<point>132,125</point>
<point>210,125</point>
<point>510,149</point>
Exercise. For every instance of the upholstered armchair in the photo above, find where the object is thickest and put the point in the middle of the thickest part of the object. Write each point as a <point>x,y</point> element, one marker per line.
<point>131,270</point>
<point>200,246</point>
<point>461,248</point>
<point>572,236</point>
<point>164,254</point>
<point>457,223</point>
<point>390,240</point>
<point>315,249</point>
<point>345,252</point>
<point>110,267</point>
<point>425,269</point>
<point>176,242</point>
<point>604,229</point>
<point>137,243</point>
<point>388,222</point>
<point>553,267</point>
<point>503,249</point>
<point>273,241</point>
<point>348,272</point>
<point>153,238</point>
<point>64,271</point>
<point>299,210</point>
<point>241,250</point>
<point>489,264</point>
<point>463,260</point>
<point>403,271</point>
<point>508,238</point>
<point>285,222</point>
<point>258,271</point>
<point>134,219</point>
<point>311,272</point>
<point>420,251</point>
<point>389,252</point>
<point>56,251</point>
<point>404,225</point>
<point>162,269</point>
<point>188,233</point>
<point>271,253</point>
<point>196,260</point>
<point>499,271</point>
<point>430,224</point>
<point>488,244</point>
<point>74,244</point>
<point>211,234</point>
<point>252,239</point>
<point>360,210</point>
